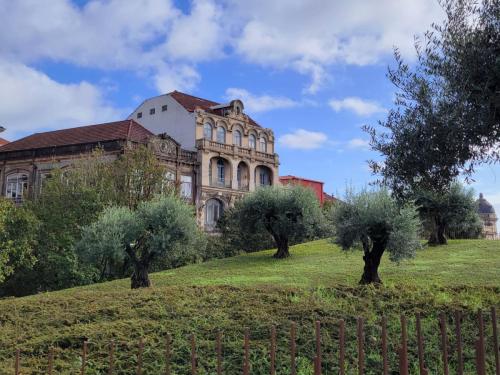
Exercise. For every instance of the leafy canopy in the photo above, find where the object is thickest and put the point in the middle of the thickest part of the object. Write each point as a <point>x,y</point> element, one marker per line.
<point>17,238</point>
<point>160,230</point>
<point>447,114</point>
<point>374,216</point>
<point>287,213</point>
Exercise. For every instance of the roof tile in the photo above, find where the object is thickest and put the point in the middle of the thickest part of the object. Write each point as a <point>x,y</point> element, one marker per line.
<point>112,131</point>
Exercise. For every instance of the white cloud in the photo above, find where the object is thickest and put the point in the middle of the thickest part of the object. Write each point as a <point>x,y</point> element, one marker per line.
<point>31,101</point>
<point>318,33</point>
<point>198,36</point>
<point>176,77</point>
<point>358,143</point>
<point>260,103</point>
<point>303,140</point>
<point>357,105</point>
<point>307,36</point>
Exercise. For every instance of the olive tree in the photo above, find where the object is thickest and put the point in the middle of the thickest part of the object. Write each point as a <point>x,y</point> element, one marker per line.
<point>164,227</point>
<point>454,210</point>
<point>288,214</point>
<point>373,222</point>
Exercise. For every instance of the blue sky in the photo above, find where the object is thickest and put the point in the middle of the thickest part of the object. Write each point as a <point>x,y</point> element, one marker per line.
<point>312,70</point>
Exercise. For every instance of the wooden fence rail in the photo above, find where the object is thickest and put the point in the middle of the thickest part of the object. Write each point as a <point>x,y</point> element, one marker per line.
<point>480,345</point>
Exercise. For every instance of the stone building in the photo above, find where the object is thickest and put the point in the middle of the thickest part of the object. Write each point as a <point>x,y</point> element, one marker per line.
<point>488,216</point>
<point>214,152</point>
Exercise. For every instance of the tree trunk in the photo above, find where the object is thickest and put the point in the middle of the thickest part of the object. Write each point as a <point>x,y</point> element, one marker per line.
<point>437,237</point>
<point>140,276</point>
<point>372,262</point>
<point>282,249</point>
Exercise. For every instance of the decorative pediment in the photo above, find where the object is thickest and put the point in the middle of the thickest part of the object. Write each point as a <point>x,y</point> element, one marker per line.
<point>165,145</point>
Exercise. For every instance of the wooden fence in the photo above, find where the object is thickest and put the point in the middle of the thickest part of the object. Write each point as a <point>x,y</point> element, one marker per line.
<point>447,351</point>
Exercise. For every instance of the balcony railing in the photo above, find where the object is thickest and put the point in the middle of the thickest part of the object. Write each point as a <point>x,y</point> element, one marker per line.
<point>221,183</point>
<point>206,144</point>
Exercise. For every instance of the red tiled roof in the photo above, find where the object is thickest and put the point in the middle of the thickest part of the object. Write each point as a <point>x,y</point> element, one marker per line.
<point>3,142</point>
<point>190,103</point>
<point>112,131</point>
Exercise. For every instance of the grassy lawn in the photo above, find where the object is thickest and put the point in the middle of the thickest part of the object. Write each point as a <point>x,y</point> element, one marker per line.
<point>254,290</point>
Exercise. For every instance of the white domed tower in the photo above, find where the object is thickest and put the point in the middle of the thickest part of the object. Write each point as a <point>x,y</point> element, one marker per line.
<point>488,216</point>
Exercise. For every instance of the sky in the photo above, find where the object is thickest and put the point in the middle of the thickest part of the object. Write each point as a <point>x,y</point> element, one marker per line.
<point>314,71</point>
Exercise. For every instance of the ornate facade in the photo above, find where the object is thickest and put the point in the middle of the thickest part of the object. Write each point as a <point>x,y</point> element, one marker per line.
<point>217,155</point>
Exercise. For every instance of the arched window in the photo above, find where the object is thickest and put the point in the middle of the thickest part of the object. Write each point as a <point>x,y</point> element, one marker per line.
<point>237,138</point>
<point>251,141</point>
<point>263,144</point>
<point>213,211</point>
<point>263,176</point>
<point>207,131</point>
<point>221,134</point>
<point>17,186</point>
<point>221,172</point>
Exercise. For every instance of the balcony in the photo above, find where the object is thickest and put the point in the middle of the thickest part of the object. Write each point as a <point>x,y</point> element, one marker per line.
<point>221,183</point>
<point>205,144</point>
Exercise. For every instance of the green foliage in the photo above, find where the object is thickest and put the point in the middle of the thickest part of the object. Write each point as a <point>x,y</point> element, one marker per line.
<point>72,198</point>
<point>162,230</point>
<point>447,115</point>
<point>17,238</point>
<point>318,282</point>
<point>374,222</point>
<point>451,211</point>
<point>289,214</point>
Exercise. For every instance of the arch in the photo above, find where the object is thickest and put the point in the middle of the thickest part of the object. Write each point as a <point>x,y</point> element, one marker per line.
<point>208,131</point>
<point>221,134</point>
<point>237,137</point>
<point>214,208</point>
<point>262,143</point>
<point>219,172</point>
<point>252,141</point>
<point>17,185</point>
<point>263,176</point>
<point>243,176</point>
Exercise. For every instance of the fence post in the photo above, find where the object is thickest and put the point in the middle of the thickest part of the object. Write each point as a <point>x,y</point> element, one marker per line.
<point>50,366</point>
<point>193,354</point>
<point>458,335</point>
<point>17,362</point>
<point>246,349</point>
<point>84,357</point>
<point>444,342</point>
<point>168,350</point>
<point>361,346</point>
<point>111,357</point>
<point>219,352</point>
<point>139,357</point>
<point>273,350</point>
<point>403,350</point>
<point>342,346</point>
<point>420,341</point>
<point>481,370</point>
<point>495,339</point>
<point>318,345</point>
<point>293,330</point>
<point>385,362</point>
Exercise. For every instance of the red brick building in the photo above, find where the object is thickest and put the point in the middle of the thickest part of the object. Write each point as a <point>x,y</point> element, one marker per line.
<point>316,186</point>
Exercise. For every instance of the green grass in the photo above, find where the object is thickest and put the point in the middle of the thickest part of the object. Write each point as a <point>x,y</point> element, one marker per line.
<point>254,290</point>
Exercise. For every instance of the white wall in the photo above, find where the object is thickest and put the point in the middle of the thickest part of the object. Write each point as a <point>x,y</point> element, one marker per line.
<point>175,121</point>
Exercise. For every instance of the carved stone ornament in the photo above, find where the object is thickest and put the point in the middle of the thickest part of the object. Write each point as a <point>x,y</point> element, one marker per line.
<point>165,145</point>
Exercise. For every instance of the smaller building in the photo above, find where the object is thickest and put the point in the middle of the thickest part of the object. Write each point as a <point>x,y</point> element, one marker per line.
<point>3,142</point>
<point>316,186</point>
<point>488,216</point>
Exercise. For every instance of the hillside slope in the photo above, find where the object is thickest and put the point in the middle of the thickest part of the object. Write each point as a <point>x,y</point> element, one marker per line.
<point>254,290</point>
